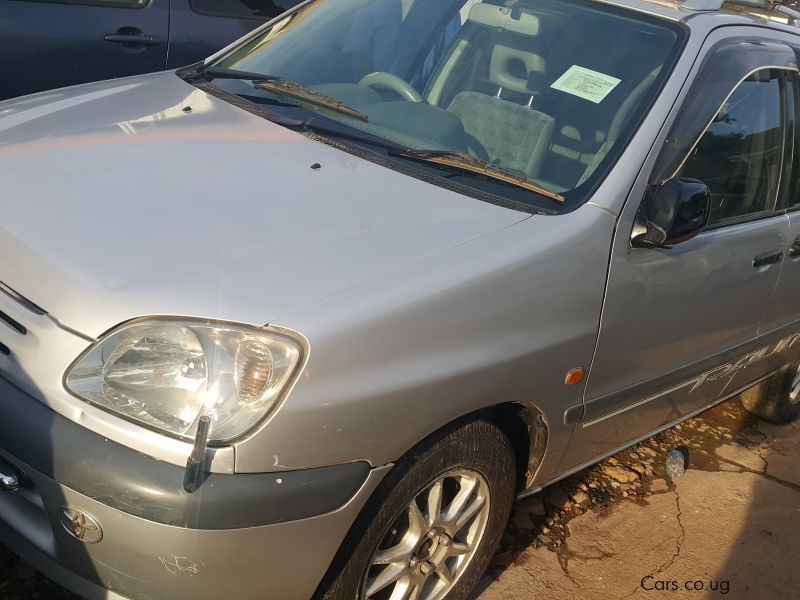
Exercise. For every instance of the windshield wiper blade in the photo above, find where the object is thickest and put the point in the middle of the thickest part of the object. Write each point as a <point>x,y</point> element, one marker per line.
<point>225,73</point>
<point>275,83</point>
<point>465,162</point>
<point>307,94</point>
<point>448,158</point>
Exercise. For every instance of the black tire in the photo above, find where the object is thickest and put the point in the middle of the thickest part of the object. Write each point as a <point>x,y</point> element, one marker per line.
<point>475,445</point>
<point>772,398</point>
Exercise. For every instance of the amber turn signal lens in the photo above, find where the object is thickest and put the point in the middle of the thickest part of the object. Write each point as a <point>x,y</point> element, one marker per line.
<point>574,376</point>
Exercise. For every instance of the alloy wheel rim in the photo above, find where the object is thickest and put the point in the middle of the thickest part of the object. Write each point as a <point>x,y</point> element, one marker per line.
<point>430,544</point>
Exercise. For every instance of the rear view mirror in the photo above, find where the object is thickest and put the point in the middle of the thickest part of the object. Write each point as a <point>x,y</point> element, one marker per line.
<point>672,213</point>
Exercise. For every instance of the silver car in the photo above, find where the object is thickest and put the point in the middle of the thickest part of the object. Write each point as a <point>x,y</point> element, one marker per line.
<point>304,319</point>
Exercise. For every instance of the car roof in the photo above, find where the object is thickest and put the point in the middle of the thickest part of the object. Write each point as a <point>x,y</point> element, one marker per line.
<point>721,12</point>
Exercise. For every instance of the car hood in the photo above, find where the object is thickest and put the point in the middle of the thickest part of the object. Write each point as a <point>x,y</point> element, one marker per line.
<point>119,202</point>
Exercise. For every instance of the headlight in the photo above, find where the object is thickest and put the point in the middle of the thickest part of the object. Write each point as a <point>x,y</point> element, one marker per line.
<point>166,374</point>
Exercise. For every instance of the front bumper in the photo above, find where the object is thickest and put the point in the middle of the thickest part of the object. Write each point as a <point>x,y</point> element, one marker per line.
<point>238,536</point>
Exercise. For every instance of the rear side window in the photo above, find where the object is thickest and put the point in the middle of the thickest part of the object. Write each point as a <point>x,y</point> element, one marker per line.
<point>108,3</point>
<point>243,9</point>
<point>739,156</point>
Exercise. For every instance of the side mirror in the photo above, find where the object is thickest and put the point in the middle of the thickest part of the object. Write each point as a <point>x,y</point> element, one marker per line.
<point>672,213</point>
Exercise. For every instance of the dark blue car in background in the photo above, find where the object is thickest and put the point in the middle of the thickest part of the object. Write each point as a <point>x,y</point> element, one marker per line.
<point>55,43</point>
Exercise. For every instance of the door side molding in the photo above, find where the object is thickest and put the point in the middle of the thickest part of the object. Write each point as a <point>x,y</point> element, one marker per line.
<point>727,370</point>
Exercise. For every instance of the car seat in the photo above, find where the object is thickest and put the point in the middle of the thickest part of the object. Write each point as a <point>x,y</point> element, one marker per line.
<point>500,131</point>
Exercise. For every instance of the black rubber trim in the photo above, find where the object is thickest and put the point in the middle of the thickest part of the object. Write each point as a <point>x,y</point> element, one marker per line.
<point>13,323</point>
<point>139,485</point>
<point>573,414</point>
<point>35,309</point>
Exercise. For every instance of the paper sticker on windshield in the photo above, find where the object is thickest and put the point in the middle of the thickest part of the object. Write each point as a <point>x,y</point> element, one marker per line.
<point>585,83</point>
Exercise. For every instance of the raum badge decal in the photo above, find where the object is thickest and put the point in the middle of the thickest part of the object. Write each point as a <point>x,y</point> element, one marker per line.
<point>81,526</point>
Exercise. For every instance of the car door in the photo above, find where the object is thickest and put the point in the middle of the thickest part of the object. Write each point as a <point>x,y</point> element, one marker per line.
<point>201,27</point>
<point>781,334</point>
<point>55,43</point>
<point>677,322</point>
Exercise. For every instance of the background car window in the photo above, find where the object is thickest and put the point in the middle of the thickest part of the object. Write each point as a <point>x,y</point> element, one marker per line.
<point>739,156</point>
<point>247,9</point>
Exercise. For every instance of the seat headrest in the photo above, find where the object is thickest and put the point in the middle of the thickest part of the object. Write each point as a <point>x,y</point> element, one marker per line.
<point>517,69</point>
<point>512,19</point>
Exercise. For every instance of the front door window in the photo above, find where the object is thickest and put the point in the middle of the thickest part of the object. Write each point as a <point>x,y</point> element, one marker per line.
<point>739,156</point>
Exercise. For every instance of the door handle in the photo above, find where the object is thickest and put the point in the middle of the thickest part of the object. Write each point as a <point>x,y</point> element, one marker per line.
<point>139,40</point>
<point>768,258</point>
<point>131,37</point>
<point>8,483</point>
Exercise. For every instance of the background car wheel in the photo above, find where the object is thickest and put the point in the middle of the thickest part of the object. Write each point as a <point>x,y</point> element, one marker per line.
<point>433,525</point>
<point>776,399</point>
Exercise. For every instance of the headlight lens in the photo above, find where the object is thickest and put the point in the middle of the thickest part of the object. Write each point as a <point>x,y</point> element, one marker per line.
<point>166,374</point>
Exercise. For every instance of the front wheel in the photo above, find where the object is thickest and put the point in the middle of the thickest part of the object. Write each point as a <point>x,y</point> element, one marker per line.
<point>434,523</point>
<point>776,399</point>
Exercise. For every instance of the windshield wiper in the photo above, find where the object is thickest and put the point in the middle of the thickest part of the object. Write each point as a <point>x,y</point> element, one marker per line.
<point>448,158</point>
<point>465,162</point>
<point>275,83</point>
<point>225,73</point>
<point>307,94</point>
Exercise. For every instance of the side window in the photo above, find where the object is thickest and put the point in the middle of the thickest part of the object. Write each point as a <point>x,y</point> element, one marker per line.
<point>243,9</point>
<point>739,156</point>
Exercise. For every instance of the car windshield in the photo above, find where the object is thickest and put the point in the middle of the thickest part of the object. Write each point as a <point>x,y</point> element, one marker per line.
<point>548,90</point>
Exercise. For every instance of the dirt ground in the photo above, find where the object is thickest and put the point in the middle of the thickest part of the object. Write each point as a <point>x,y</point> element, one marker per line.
<point>729,528</point>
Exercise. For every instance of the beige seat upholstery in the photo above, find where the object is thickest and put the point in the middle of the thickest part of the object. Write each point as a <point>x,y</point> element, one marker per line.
<point>506,133</point>
<point>510,135</point>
